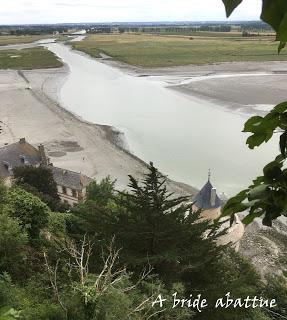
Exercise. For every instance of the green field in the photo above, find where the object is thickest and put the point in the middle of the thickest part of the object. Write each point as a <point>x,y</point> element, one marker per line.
<point>27,59</point>
<point>160,51</point>
<point>6,40</point>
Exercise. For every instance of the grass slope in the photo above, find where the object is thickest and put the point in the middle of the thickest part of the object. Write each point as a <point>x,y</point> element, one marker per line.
<point>27,59</point>
<point>6,40</point>
<point>160,51</point>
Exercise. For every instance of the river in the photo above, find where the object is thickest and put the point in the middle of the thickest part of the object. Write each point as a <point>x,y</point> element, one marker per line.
<point>184,137</point>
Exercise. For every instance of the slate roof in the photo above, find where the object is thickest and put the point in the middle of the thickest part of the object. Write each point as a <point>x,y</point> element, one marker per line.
<point>203,199</point>
<point>22,153</point>
<point>16,155</point>
<point>70,179</point>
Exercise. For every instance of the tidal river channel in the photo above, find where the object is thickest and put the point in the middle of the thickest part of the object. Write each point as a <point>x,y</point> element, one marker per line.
<point>183,136</point>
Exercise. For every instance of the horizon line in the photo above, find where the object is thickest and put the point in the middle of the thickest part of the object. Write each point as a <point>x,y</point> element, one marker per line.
<point>130,22</point>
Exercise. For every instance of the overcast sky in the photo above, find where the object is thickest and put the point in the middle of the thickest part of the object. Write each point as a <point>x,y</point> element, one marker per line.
<point>58,11</point>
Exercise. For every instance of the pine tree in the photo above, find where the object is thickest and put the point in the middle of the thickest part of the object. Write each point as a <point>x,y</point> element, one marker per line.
<point>155,227</point>
<point>40,178</point>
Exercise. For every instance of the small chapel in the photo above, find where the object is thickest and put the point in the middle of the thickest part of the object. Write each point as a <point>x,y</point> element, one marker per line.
<point>210,204</point>
<point>208,201</point>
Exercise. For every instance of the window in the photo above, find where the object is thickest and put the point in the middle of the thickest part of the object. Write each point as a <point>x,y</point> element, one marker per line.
<point>7,166</point>
<point>74,192</point>
<point>23,159</point>
<point>64,190</point>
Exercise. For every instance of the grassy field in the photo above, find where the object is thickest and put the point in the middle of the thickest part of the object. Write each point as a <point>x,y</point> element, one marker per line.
<point>5,40</point>
<point>27,59</point>
<point>203,34</point>
<point>160,51</point>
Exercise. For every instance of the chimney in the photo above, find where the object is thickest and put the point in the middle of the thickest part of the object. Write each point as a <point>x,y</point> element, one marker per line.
<point>22,140</point>
<point>44,159</point>
<point>213,197</point>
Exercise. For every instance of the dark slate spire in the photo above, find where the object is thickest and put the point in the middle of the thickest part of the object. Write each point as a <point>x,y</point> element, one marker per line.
<point>207,197</point>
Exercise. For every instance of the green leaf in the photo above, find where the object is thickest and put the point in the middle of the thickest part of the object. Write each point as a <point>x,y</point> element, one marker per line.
<point>281,46</point>
<point>258,181</point>
<point>283,144</point>
<point>258,192</point>
<point>279,158</point>
<point>273,171</point>
<point>281,107</point>
<point>268,136</point>
<point>270,215</point>
<point>234,204</point>
<point>262,128</point>
<point>249,218</point>
<point>282,33</point>
<point>273,13</point>
<point>236,208</point>
<point>283,121</point>
<point>253,124</point>
<point>256,140</point>
<point>230,5</point>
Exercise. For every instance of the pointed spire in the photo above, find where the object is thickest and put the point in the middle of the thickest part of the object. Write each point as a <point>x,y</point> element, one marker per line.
<point>209,175</point>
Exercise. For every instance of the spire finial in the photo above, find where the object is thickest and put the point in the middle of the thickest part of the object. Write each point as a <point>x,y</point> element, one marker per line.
<point>209,174</point>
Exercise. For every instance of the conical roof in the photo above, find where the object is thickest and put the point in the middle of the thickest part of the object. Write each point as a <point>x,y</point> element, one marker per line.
<point>203,199</point>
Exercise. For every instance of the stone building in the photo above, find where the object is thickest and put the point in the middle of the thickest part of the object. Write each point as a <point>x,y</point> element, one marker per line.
<point>208,201</point>
<point>71,185</point>
<point>210,204</point>
<point>19,154</point>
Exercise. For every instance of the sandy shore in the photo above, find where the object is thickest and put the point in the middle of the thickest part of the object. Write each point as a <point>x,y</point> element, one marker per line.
<point>246,87</point>
<point>29,108</point>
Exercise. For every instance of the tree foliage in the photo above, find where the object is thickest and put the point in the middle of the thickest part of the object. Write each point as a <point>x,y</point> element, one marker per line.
<point>28,209</point>
<point>7,313</point>
<point>267,196</point>
<point>159,247</point>
<point>13,242</point>
<point>155,227</point>
<point>40,182</point>
<point>235,274</point>
<point>40,178</point>
<point>277,289</point>
<point>101,192</point>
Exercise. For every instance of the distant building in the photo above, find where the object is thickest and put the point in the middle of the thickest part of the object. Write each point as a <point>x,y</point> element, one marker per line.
<point>19,154</point>
<point>71,185</point>
<point>208,201</point>
<point>210,204</point>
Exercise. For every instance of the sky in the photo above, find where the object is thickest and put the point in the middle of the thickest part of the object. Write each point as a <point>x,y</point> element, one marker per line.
<point>76,11</point>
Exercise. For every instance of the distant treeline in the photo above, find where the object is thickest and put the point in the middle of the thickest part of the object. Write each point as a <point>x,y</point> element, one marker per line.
<point>167,28</point>
<point>32,30</point>
<point>246,27</point>
<point>255,26</point>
